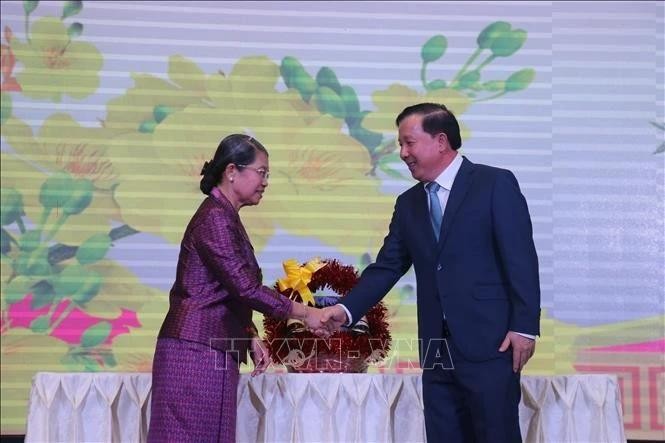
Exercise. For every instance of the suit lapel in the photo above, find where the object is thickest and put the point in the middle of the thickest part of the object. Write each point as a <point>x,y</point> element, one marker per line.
<point>460,186</point>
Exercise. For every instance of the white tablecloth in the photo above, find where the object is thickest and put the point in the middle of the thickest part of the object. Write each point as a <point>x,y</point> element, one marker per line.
<point>114,407</point>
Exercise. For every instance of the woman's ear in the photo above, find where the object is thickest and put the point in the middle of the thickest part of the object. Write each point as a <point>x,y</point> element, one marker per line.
<point>230,172</point>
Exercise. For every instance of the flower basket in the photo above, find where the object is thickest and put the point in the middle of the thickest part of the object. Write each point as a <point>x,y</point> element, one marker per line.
<point>346,351</point>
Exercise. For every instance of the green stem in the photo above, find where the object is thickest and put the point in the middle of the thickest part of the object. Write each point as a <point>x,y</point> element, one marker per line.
<point>487,61</point>
<point>60,252</point>
<point>387,147</point>
<point>56,227</point>
<point>52,307</point>
<point>423,76</point>
<point>27,27</point>
<point>42,220</point>
<point>466,65</point>
<point>490,97</point>
<point>70,307</point>
<point>62,51</point>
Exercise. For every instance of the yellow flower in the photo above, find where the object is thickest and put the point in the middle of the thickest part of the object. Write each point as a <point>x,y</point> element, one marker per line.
<point>390,102</point>
<point>318,188</point>
<point>61,145</point>
<point>158,189</point>
<point>153,99</point>
<point>54,65</point>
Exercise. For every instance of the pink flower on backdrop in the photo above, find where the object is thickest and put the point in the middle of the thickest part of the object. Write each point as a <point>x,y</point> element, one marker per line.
<point>72,327</point>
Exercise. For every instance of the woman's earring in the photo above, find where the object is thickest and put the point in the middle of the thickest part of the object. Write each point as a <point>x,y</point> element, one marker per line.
<point>231,178</point>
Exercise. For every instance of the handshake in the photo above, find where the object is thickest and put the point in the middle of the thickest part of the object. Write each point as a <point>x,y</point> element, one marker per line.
<point>322,322</point>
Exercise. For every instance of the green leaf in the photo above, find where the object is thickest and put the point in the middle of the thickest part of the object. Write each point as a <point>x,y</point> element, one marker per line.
<point>368,138</point>
<point>433,49</point>
<point>16,289</point>
<point>109,359</point>
<point>351,105</point>
<point>69,280</point>
<point>40,324</point>
<point>469,79</point>
<point>385,163</point>
<point>71,8</point>
<point>147,126</point>
<point>11,206</point>
<point>508,43</point>
<point>42,295</point>
<point>93,249</point>
<point>436,84</point>
<point>289,69</point>
<point>70,361</point>
<point>390,171</point>
<point>96,334</point>
<point>494,85</point>
<point>5,242</point>
<point>392,157</point>
<point>490,33</point>
<point>326,78</point>
<point>329,102</point>
<point>79,198</point>
<point>74,30</point>
<point>55,190</point>
<point>29,6</point>
<point>30,241</point>
<point>33,263</point>
<point>88,290</point>
<point>5,107</point>
<point>77,283</point>
<point>305,85</point>
<point>160,112</point>
<point>520,80</point>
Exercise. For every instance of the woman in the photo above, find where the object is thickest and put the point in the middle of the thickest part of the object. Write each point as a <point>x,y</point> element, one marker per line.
<point>208,328</point>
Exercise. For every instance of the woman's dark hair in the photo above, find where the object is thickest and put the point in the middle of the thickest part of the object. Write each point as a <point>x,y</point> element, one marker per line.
<point>436,119</point>
<point>239,149</point>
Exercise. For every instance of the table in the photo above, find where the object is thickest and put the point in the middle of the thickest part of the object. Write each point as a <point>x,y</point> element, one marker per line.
<point>115,407</point>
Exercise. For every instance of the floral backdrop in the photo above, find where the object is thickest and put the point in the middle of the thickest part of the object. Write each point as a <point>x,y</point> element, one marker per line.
<point>103,140</point>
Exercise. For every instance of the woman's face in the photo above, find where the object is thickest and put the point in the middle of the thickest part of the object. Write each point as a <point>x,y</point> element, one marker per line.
<point>252,180</point>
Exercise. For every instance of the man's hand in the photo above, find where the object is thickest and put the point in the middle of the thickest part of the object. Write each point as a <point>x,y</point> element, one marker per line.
<point>523,349</point>
<point>260,356</point>
<point>315,324</point>
<point>334,317</point>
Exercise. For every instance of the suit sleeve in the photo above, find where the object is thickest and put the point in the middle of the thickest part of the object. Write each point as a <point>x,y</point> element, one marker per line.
<point>221,249</point>
<point>392,261</point>
<point>514,237</point>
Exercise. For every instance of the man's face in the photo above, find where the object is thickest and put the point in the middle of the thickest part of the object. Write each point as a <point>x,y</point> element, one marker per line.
<point>422,153</point>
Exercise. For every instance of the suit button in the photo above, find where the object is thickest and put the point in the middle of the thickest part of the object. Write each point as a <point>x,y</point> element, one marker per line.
<point>439,267</point>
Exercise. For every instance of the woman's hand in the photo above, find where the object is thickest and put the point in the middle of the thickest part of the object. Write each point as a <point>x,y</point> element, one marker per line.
<point>260,356</point>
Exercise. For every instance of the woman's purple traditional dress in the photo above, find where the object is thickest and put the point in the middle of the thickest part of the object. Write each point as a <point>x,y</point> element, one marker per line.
<point>206,333</point>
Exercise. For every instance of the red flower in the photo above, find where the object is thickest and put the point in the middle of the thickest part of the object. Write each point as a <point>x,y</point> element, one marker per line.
<point>76,321</point>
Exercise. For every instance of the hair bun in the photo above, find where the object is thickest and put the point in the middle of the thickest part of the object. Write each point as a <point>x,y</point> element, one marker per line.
<point>204,169</point>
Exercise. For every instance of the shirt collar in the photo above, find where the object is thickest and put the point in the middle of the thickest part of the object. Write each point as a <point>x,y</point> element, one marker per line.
<point>447,177</point>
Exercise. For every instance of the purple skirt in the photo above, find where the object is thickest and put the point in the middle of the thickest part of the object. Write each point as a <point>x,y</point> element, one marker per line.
<point>193,393</point>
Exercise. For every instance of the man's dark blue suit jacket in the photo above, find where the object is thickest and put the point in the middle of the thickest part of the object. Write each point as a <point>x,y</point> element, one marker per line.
<point>482,273</point>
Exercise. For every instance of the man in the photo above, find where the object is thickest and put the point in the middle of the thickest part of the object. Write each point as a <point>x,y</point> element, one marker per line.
<point>466,229</point>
